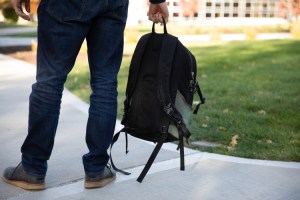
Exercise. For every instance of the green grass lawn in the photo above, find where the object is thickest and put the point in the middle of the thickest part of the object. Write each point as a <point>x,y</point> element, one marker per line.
<point>253,97</point>
<point>14,25</point>
<point>9,25</point>
<point>132,31</point>
<point>30,34</point>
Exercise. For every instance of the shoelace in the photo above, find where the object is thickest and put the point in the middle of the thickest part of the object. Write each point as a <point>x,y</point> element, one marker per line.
<point>16,168</point>
<point>109,167</point>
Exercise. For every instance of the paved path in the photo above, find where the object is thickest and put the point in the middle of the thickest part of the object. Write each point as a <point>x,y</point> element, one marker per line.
<point>16,41</point>
<point>207,176</point>
<point>7,41</point>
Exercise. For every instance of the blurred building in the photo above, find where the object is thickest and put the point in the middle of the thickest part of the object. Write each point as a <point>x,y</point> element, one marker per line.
<point>207,10</point>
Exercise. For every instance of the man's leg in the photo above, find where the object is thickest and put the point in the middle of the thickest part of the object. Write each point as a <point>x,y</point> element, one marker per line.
<point>58,45</point>
<point>105,50</point>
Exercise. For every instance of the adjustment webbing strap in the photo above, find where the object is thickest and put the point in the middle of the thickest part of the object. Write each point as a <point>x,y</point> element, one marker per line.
<point>181,149</point>
<point>152,157</point>
<point>115,138</point>
<point>182,133</point>
<point>202,99</point>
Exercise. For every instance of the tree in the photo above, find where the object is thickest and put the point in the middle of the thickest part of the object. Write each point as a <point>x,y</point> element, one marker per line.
<point>189,8</point>
<point>5,4</point>
<point>290,9</point>
<point>8,12</point>
<point>295,8</point>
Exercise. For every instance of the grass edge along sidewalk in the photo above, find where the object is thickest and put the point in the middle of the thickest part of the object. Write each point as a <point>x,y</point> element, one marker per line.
<point>252,91</point>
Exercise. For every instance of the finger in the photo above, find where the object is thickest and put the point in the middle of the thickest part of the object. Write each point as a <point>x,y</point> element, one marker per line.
<point>166,19</point>
<point>164,11</point>
<point>27,5</point>
<point>151,17</point>
<point>157,16</point>
<point>19,11</point>
<point>22,14</point>
<point>160,18</point>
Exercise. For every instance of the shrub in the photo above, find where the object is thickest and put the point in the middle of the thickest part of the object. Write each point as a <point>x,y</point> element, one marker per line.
<point>295,29</point>
<point>215,35</point>
<point>250,33</point>
<point>10,15</point>
<point>132,35</point>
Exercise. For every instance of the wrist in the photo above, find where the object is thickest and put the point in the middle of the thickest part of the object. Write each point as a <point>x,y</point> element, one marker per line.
<point>156,1</point>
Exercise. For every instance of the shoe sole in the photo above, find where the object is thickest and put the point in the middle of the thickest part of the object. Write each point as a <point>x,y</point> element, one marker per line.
<point>98,184</point>
<point>24,185</point>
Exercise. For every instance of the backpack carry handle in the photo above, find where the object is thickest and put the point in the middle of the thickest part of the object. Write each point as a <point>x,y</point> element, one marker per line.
<point>165,27</point>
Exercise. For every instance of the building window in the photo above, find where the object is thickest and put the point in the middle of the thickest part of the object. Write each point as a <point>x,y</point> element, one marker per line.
<point>247,15</point>
<point>208,15</point>
<point>265,5</point>
<point>226,14</point>
<point>235,5</point>
<point>235,15</point>
<point>208,4</point>
<point>248,5</point>
<point>175,14</point>
<point>227,5</point>
<point>272,4</point>
<point>217,15</point>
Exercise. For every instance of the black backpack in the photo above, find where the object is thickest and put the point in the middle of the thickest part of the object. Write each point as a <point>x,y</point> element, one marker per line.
<point>159,94</point>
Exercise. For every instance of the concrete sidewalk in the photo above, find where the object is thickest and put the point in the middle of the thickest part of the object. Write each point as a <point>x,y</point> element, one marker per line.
<point>16,30</point>
<point>8,41</point>
<point>207,176</point>
<point>16,41</point>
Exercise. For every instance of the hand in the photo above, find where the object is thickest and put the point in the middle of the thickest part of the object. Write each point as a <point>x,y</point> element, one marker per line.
<point>18,7</point>
<point>157,12</point>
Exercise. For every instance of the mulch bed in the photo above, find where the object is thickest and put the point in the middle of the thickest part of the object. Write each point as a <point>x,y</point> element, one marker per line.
<point>14,49</point>
<point>26,54</point>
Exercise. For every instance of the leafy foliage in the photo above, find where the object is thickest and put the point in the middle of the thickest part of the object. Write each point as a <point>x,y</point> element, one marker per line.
<point>10,15</point>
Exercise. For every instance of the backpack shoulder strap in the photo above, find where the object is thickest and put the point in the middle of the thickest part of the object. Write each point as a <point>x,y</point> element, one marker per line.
<point>136,63</point>
<point>164,71</point>
<point>165,63</point>
<point>134,71</point>
<point>152,157</point>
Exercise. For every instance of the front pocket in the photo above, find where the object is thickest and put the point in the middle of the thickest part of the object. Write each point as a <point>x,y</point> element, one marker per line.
<point>66,10</point>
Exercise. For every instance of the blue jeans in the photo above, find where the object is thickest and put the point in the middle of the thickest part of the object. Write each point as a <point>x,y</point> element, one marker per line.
<point>62,27</point>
